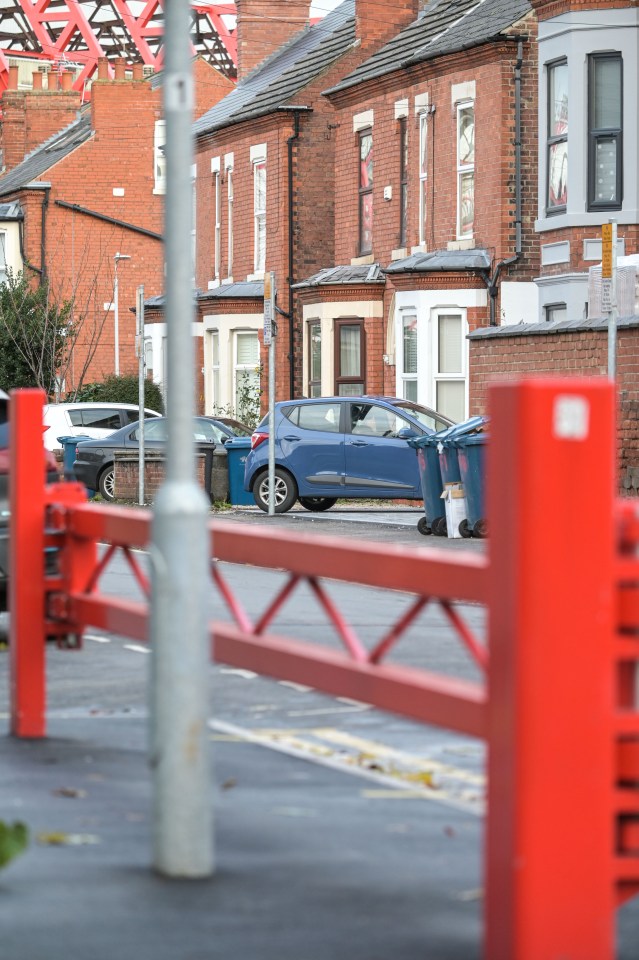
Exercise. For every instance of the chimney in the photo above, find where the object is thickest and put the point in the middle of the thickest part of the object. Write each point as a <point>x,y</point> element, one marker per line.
<point>263,26</point>
<point>30,117</point>
<point>13,77</point>
<point>119,66</point>
<point>377,21</point>
<point>36,80</point>
<point>138,71</point>
<point>66,80</point>
<point>103,68</point>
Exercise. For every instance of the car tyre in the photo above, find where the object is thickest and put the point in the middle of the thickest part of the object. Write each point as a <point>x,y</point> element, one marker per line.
<point>318,504</point>
<point>285,490</point>
<point>106,483</point>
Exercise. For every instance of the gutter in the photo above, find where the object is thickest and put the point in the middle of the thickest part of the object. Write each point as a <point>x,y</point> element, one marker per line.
<point>296,111</point>
<point>493,281</point>
<point>42,269</point>
<point>101,216</point>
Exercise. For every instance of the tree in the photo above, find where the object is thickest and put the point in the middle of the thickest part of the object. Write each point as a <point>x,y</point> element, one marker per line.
<point>35,335</point>
<point>122,390</point>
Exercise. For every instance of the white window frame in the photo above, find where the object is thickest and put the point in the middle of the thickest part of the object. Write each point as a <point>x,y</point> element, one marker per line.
<point>423,176</point>
<point>228,167</point>
<point>215,403</point>
<point>403,377</point>
<point>440,376</point>
<point>159,157</point>
<point>241,368</point>
<point>259,219</point>
<point>3,256</point>
<point>217,216</point>
<point>194,219</point>
<point>464,168</point>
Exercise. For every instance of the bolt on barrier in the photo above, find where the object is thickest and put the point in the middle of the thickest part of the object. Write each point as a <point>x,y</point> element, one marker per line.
<point>558,708</point>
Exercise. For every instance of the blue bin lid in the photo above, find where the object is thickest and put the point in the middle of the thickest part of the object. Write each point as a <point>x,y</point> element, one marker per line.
<point>238,442</point>
<point>73,439</point>
<point>472,439</point>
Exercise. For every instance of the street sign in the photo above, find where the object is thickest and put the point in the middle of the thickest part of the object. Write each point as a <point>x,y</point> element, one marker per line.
<point>606,294</point>
<point>606,250</point>
<point>269,307</point>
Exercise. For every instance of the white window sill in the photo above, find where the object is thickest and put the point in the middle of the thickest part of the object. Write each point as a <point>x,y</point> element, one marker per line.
<point>399,254</point>
<point>159,191</point>
<point>252,277</point>
<point>420,248</point>
<point>213,284</point>
<point>227,280</point>
<point>361,261</point>
<point>468,243</point>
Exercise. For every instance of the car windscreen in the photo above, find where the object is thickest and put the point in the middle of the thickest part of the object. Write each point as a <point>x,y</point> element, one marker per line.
<point>426,417</point>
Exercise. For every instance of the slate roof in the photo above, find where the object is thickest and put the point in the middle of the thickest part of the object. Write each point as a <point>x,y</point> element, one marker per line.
<point>367,273</point>
<point>543,327</point>
<point>445,26</point>
<point>53,150</point>
<point>235,291</point>
<point>276,81</point>
<point>441,260</point>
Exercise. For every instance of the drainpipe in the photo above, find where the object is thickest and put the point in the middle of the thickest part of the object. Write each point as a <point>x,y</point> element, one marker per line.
<point>42,269</point>
<point>296,111</point>
<point>492,282</point>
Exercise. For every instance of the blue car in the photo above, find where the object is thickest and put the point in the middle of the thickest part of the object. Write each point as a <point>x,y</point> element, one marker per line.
<point>340,447</point>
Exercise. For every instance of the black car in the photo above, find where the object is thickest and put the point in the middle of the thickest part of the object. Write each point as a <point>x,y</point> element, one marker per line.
<point>94,459</point>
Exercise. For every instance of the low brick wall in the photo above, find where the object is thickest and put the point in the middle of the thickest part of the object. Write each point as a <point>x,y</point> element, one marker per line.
<point>127,474</point>
<point>566,354</point>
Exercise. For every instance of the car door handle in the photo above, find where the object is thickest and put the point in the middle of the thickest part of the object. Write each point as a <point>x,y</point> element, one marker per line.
<point>290,439</point>
<point>358,443</point>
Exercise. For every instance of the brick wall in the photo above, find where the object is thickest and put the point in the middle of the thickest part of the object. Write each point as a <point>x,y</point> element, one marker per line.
<point>582,353</point>
<point>127,476</point>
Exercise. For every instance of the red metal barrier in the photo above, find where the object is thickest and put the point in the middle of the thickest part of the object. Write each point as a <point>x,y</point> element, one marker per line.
<point>559,711</point>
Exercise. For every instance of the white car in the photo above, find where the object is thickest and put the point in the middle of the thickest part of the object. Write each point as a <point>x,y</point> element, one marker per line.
<point>92,420</point>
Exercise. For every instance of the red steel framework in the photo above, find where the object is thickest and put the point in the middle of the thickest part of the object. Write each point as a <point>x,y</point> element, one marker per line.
<point>81,31</point>
<point>558,708</point>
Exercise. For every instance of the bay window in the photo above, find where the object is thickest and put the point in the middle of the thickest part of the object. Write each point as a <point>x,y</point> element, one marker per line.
<point>350,358</point>
<point>450,379</point>
<point>557,138</point>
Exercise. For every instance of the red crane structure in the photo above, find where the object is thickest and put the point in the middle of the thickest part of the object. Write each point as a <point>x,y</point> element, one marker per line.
<point>77,33</point>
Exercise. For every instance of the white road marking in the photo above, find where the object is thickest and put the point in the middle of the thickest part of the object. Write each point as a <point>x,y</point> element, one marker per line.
<point>289,743</point>
<point>295,686</point>
<point>232,672</point>
<point>135,648</point>
<point>96,639</point>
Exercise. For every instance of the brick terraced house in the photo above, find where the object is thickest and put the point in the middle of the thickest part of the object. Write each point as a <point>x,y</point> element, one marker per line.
<point>82,197</point>
<point>587,174</point>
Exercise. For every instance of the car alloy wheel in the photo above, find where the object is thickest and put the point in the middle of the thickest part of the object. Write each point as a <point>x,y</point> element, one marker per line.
<point>107,483</point>
<point>285,491</point>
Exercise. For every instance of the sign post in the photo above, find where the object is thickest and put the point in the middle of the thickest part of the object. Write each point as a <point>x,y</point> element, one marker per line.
<point>270,331</point>
<point>139,349</point>
<point>609,290</point>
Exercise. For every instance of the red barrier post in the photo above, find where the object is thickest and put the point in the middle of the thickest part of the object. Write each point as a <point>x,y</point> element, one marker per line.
<point>550,835</point>
<point>26,585</point>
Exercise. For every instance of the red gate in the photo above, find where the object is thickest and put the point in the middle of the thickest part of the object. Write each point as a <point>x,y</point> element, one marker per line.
<point>559,708</point>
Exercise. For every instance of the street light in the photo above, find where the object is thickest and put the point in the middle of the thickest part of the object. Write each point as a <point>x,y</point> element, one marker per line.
<point>116,322</point>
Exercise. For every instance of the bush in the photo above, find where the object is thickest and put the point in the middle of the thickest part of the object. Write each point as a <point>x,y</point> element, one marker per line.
<point>122,390</point>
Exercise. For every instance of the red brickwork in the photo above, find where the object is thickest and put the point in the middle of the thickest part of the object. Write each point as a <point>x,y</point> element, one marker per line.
<point>582,353</point>
<point>263,26</point>
<point>376,21</point>
<point>576,236</point>
<point>31,117</point>
<point>111,174</point>
<point>547,9</point>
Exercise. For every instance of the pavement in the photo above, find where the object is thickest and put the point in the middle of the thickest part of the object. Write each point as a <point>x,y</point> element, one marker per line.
<point>310,863</point>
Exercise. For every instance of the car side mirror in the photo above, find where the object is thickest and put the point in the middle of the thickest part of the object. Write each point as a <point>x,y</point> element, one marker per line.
<point>406,433</point>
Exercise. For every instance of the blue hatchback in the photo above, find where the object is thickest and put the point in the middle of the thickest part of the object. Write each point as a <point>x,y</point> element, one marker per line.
<point>340,447</point>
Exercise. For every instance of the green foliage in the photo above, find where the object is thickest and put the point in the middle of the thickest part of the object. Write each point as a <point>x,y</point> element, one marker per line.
<point>35,334</point>
<point>14,839</point>
<point>122,390</point>
<point>248,401</point>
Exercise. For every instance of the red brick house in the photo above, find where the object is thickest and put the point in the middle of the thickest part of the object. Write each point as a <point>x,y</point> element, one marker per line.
<point>434,199</point>
<point>86,183</point>
<point>588,77</point>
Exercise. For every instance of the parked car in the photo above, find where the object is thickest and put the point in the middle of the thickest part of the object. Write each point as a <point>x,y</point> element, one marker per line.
<point>94,459</point>
<point>93,420</point>
<point>334,447</point>
<point>52,476</point>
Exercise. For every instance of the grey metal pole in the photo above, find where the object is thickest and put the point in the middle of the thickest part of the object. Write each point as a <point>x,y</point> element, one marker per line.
<point>180,757</point>
<point>139,316</point>
<point>612,318</point>
<point>116,319</point>
<point>271,427</point>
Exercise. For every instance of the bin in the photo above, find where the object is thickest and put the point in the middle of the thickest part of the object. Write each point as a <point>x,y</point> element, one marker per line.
<point>447,447</point>
<point>430,476</point>
<point>237,449</point>
<point>470,452</point>
<point>68,456</point>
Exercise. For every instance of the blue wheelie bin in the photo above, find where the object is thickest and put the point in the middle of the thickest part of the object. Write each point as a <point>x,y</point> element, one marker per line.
<point>431,480</point>
<point>470,451</point>
<point>237,449</point>
<point>447,448</point>
<point>68,456</point>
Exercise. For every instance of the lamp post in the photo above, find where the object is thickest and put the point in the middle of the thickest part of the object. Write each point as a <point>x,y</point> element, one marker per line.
<point>116,321</point>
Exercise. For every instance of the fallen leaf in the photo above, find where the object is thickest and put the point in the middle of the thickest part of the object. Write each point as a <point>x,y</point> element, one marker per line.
<point>69,792</point>
<point>14,839</point>
<point>229,784</point>
<point>60,839</point>
<point>425,777</point>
